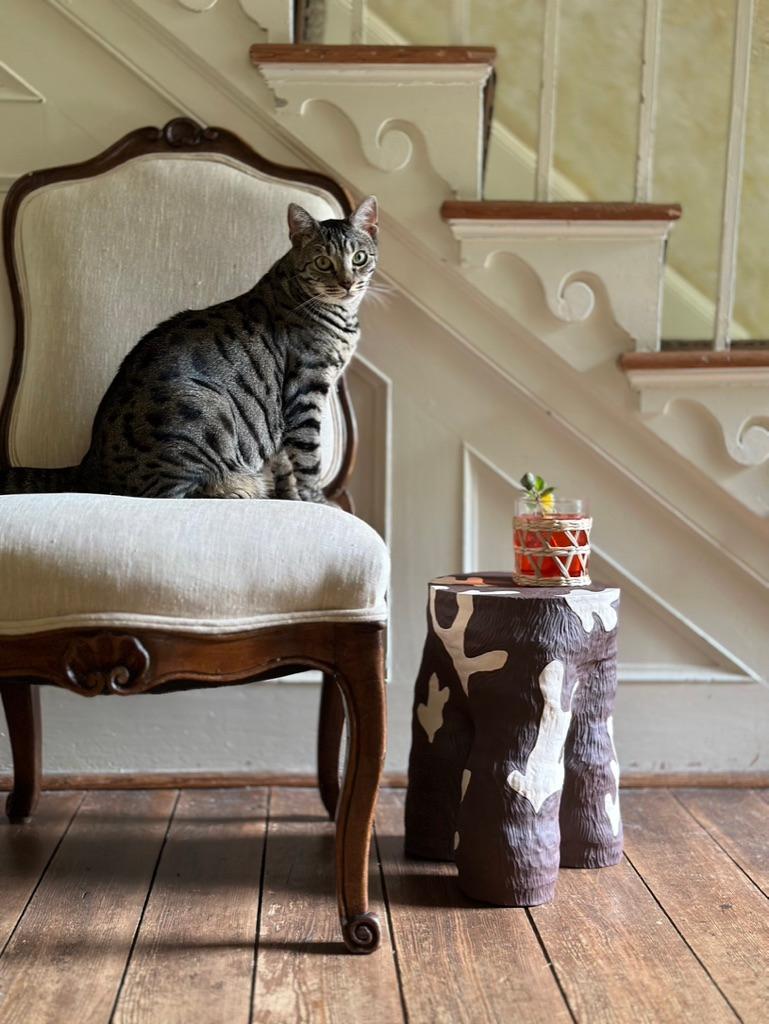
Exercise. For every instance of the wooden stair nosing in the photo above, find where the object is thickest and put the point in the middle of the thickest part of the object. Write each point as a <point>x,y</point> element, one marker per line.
<point>324,53</point>
<point>701,359</point>
<point>524,209</point>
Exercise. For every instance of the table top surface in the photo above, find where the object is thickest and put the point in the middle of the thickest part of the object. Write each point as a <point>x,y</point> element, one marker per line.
<point>501,584</point>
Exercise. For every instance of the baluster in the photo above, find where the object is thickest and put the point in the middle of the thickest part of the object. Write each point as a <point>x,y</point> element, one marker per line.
<point>460,22</point>
<point>647,109</point>
<point>547,100</point>
<point>735,153</point>
<point>357,18</point>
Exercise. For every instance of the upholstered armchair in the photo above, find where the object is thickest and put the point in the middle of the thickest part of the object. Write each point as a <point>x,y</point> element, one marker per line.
<point>105,594</point>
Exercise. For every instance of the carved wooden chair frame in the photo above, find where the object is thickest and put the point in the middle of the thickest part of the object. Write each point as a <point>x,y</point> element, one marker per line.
<point>114,661</point>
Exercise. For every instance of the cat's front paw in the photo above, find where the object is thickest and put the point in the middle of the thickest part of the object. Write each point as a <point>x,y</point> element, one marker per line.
<point>314,494</point>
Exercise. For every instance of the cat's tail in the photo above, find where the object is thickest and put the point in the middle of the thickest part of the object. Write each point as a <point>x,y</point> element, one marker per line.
<point>26,480</point>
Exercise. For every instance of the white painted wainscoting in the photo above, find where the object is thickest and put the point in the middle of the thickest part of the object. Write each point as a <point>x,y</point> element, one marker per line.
<point>455,398</point>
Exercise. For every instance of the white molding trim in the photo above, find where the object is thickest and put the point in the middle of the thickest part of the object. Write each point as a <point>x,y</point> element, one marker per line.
<point>366,74</point>
<point>733,670</point>
<point>382,387</point>
<point>470,532</point>
<point>383,414</point>
<point>696,377</point>
<point>15,89</point>
<point>474,229</point>
<point>736,398</point>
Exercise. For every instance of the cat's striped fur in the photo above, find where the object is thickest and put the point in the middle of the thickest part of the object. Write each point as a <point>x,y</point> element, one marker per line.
<point>219,401</point>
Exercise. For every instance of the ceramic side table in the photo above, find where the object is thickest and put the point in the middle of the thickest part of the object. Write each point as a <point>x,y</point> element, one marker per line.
<point>513,769</point>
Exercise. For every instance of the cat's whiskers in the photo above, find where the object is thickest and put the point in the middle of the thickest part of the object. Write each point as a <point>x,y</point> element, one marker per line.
<point>378,294</point>
<point>307,304</point>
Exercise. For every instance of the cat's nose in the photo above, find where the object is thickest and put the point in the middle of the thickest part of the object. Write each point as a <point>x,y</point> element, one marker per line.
<point>346,283</point>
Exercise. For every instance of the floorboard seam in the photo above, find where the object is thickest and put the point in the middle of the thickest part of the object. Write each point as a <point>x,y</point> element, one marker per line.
<point>685,941</point>
<point>42,875</point>
<point>391,929</point>
<point>720,845</point>
<point>550,964</point>
<point>139,923</point>
<point>257,934</point>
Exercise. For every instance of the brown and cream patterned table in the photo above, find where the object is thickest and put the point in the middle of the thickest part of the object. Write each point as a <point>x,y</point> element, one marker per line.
<point>513,769</point>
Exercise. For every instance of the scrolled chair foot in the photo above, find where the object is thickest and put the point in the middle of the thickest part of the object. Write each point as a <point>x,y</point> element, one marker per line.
<point>18,809</point>
<point>362,934</point>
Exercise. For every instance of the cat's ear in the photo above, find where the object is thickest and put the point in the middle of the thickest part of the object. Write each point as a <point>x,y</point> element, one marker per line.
<point>300,222</point>
<point>366,216</point>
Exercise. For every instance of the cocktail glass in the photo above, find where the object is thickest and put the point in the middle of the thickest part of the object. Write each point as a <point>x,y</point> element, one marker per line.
<point>551,542</point>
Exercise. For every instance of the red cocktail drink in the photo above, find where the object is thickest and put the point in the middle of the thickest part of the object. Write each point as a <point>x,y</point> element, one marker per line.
<point>551,542</point>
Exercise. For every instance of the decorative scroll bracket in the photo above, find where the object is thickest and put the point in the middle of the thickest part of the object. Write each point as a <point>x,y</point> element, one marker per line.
<point>386,102</point>
<point>577,262</point>
<point>736,397</point>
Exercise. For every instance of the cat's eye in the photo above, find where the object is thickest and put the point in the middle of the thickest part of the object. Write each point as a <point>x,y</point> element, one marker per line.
<point>359,258</point>
<point>323,263</point>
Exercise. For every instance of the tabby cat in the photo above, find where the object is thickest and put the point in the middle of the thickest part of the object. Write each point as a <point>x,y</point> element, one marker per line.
<point>226,402</point>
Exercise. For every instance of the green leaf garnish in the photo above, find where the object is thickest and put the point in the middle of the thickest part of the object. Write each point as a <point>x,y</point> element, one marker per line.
<point>535,487</point>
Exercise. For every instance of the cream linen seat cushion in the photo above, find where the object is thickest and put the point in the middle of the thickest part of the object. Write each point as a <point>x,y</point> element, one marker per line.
<point>194,566</point>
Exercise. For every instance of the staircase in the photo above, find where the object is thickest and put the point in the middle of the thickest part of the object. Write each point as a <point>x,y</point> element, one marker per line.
<point>516,336</point>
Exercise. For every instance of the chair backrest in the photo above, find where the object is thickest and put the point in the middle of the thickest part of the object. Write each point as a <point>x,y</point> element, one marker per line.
<point>98,253</point>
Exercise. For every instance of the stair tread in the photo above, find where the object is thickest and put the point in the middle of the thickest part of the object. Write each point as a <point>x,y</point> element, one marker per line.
<point>525,209</point>
<point>303,53</point>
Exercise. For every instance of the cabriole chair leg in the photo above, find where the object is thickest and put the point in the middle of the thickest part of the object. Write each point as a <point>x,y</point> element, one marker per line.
<point>21,702</point>
<point>330,727</point>
<point>361,676</point>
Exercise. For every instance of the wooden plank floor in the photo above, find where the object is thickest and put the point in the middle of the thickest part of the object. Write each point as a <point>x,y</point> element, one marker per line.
<point>217,907</point>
